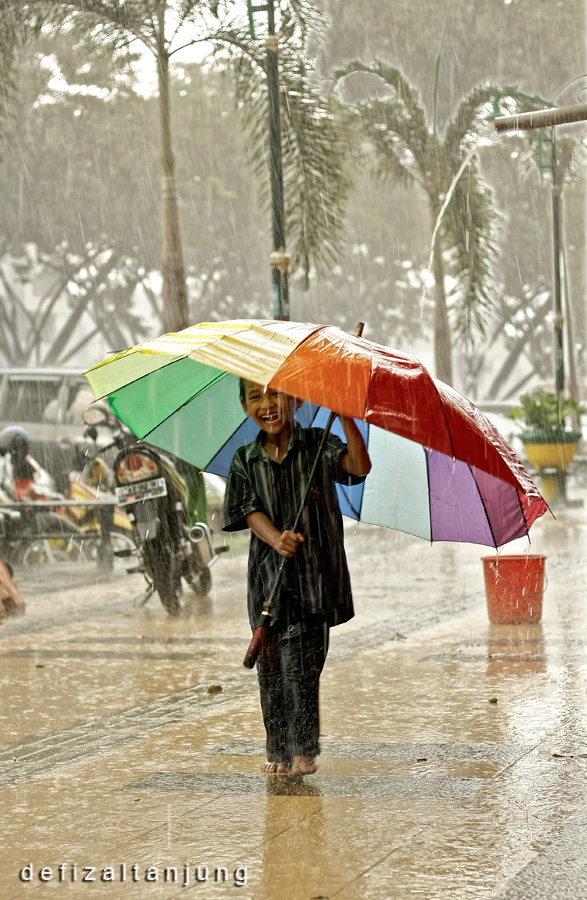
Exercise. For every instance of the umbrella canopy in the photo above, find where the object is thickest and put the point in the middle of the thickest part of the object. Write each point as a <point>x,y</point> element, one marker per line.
<point>441,470</point>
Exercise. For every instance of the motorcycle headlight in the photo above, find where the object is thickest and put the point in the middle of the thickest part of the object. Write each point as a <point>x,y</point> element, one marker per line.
<point>136,467</point>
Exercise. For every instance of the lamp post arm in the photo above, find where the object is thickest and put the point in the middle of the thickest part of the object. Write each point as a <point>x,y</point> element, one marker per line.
<point>540,118</point>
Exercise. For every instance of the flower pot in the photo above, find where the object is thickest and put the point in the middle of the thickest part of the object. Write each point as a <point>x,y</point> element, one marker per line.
<point>550,450</point>
<point>514,586</point>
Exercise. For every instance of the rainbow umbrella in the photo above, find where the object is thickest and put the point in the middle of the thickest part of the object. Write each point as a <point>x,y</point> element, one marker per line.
<point>440,469</point>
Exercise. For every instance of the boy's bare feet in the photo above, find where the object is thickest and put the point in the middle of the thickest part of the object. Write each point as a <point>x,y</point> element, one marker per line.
<point>303,765</point>
<point>275,768</point>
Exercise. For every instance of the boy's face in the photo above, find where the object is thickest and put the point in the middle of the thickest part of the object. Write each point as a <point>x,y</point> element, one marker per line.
<point>271,410</point>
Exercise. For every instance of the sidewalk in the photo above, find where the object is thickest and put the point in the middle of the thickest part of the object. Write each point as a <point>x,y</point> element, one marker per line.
<point>454,757</point>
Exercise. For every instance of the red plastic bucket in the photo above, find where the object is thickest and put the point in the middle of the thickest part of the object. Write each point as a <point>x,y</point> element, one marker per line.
<point>514,586</point>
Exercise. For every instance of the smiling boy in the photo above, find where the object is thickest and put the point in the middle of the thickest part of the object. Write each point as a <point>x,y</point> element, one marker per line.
<point>267,481</point>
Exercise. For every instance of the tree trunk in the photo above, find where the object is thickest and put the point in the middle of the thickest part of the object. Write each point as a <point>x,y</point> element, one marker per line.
<point>175,311</point>
<point>442,339</point>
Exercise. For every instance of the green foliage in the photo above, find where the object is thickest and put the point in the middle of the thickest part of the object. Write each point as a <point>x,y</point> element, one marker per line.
<point>79,170</point>
<point>77,163</point>
<point>59,177</point>
<point>543,411</point>
<point>315,185</point>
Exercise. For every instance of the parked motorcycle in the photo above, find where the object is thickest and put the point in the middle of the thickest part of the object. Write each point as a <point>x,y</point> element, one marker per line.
<point>30,536</point>
<point>152,492</point>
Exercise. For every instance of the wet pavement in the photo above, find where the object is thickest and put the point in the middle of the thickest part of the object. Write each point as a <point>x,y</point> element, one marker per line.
<point>454,751</point>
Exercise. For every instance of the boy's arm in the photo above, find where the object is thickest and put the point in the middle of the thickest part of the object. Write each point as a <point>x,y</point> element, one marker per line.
<point>355,460</point>
<point>284,542</point>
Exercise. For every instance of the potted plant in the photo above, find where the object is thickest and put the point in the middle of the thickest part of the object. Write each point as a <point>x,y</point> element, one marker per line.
<point>549,444</point>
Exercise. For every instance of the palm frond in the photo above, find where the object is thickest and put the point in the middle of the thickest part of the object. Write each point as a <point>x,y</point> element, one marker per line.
<point>304,15</point>
<point>469,118</point>
<point>313,152</point>
<point>114,20</point>
<point>394,122</point>
<point>315,183</point>
<point>235,38</point>
<point>470,228</point>
<point>404,95</point>
<point>402,151</point>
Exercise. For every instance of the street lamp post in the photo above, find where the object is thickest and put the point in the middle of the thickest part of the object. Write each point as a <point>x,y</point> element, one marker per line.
<point>559,360</point>
<point>548,118</point>
<point>279,259</point>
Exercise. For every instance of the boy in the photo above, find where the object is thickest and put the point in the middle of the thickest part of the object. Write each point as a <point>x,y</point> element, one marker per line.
<point>267,481</point>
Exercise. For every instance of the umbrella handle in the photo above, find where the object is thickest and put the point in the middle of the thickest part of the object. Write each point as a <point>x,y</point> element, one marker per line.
<point>255,646</point>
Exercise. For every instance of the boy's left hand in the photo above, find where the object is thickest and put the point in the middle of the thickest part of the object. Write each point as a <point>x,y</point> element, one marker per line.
<point>356,458</point>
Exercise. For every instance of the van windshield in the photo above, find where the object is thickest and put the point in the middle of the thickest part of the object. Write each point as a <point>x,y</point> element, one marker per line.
<point>31,400</point>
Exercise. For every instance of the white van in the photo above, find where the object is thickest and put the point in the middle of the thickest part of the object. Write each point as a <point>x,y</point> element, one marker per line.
<point>48,403</point>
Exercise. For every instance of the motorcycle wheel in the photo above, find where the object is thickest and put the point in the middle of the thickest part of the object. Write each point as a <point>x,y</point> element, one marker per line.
<point>66,546</point>
<point>120,540</point>
<point>51,551</point>
<point>199,579</point>
<point>161,568</point>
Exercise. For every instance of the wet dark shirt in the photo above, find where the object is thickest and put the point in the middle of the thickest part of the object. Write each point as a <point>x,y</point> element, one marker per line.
<point>316,579</point>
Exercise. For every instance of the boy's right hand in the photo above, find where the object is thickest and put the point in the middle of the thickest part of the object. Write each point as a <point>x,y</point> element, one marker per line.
<point>287,542</point>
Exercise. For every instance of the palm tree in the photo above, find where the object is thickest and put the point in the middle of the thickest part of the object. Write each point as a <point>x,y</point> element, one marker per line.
<point>463,218</point>
<point>165,27</point>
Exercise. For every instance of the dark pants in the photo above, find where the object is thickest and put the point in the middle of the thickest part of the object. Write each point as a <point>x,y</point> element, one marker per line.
<point>289,669</point>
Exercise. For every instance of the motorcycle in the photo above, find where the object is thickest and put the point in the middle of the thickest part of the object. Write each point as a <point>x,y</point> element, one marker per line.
<point>30,536</point>
<point>154,495</point>
<point>92,480</point>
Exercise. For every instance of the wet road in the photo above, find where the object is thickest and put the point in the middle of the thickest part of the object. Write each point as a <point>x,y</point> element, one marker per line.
<point>454,758</point>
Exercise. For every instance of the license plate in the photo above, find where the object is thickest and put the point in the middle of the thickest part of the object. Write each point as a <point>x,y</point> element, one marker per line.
<point>144,490</point>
